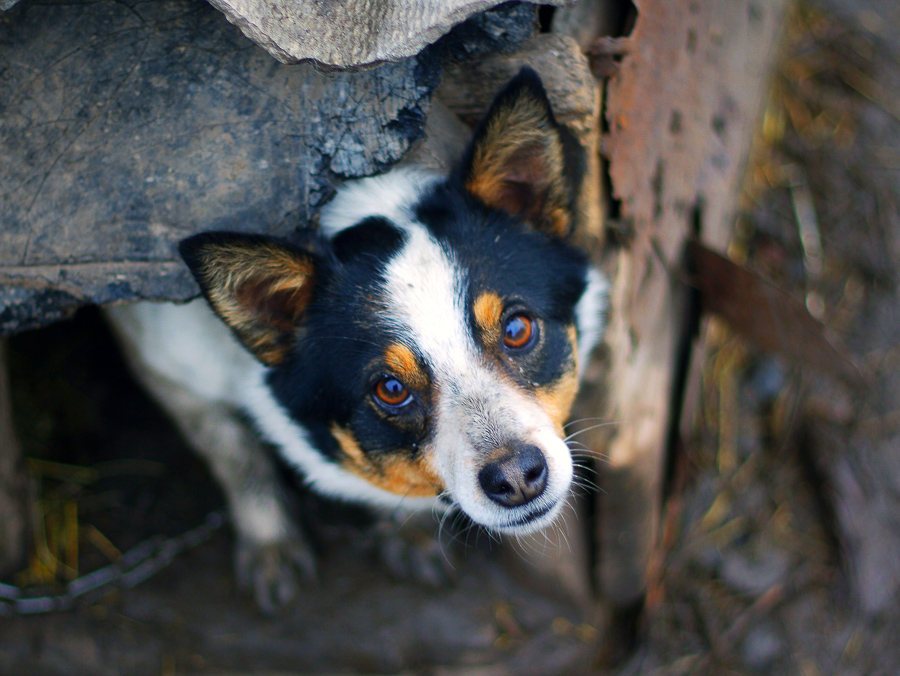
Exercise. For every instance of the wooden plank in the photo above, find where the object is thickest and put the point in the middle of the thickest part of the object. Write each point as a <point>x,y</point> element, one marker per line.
<point>766,314</point>
<point>681,112</point>
<point>171,124</point>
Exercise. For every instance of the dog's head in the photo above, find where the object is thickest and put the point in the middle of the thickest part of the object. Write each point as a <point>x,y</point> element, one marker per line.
<point>427,341</point>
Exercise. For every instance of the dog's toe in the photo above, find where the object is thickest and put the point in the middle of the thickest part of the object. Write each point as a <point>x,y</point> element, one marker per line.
<point>273,571</point>
<point>409,554</point>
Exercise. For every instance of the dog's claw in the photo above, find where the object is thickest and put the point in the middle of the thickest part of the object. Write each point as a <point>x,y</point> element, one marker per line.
<point>272,571</point>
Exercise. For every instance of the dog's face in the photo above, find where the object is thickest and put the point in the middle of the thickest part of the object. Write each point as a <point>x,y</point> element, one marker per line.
<point>427,341</point>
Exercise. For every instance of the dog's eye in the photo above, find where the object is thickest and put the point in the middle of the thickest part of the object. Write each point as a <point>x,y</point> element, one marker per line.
<point>518,331</point>
<point>391,392</point>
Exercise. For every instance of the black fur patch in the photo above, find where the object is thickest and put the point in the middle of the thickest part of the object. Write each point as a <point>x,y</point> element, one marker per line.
<point>374,238</point>
<point>532,272</point>
<point>329,377</point>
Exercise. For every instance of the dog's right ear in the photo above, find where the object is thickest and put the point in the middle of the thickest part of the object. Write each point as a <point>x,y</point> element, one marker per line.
<point>260,287</point>
<point>522,162</point>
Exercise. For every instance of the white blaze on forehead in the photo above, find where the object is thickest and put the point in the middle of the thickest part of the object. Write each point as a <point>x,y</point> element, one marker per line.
<point>424,290</point>
<point>422,284</point>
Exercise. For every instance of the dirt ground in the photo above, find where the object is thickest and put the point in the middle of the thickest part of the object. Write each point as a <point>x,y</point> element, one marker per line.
<point>781,545</point>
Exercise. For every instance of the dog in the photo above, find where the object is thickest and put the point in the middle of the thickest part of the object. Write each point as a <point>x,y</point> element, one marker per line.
<point>420,350</point>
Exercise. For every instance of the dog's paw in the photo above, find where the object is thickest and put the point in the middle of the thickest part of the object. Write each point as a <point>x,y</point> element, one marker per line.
<point>273,571</point>
<point>413,553</point>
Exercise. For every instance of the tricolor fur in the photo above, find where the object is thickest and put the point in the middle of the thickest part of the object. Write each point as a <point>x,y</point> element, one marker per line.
<point>423,349</point>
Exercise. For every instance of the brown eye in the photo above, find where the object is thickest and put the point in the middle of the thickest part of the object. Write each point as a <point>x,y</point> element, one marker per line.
<point>391,392</point>
<point>518,331</point>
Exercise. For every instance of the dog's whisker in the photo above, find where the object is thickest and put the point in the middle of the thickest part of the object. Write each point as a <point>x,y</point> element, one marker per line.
<point>582,420</point>
<point>591,427</point>
<point>585,483</point>
<point>583,463</point>
<point>562,534</point>
<point>589,453</point>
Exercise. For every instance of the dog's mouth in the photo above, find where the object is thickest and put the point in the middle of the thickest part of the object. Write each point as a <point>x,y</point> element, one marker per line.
<point>528,521</point>
<point>529,518</point>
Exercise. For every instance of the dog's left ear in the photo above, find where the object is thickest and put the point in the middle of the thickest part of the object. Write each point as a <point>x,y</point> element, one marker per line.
<point>522,162</point>
<point>259,286</point>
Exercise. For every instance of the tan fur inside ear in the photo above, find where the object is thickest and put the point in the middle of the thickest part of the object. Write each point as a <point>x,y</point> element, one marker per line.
<point>518,166</point>
<point>260,291</point>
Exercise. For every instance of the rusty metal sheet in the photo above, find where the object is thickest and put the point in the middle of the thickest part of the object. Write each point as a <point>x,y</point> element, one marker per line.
<point>681,110</point>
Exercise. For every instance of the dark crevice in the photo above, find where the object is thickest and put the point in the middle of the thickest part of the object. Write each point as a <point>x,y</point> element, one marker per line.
<point>621,18</point>
<point>657,184</point>
<point>697,217</point>
<point>545,18</point>
<point>684,354</point>
<point>822,491</point>
<point>618,231</point>
<point>614,206</point>
<point>625,18</point>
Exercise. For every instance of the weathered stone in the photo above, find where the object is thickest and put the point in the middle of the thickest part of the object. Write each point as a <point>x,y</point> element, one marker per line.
<point>351,33</point>
<point>117,151</point>
<point>162,120</point>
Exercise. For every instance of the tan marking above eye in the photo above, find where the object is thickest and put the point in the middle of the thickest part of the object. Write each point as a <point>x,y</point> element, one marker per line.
<point>487,309</point>
<point>401,361</point>
<point>392,472</point>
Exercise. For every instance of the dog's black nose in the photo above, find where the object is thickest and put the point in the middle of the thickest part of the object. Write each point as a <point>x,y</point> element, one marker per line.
<point>516,478</point>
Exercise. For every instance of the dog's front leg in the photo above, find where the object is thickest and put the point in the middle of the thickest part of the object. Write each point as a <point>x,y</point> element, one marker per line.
<point>271,551</point>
